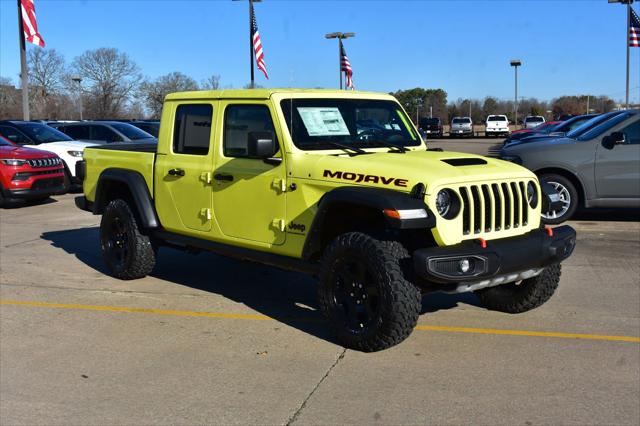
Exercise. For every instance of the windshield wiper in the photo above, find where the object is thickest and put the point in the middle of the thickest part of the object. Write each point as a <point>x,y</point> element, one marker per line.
<point>345,147</point>
<point>400,148</point>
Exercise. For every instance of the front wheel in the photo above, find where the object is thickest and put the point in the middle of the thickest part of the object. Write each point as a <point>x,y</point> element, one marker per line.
<point>515,298</point>
<point>364,294</point>
<point>568,196</point>
<point>127,252</point>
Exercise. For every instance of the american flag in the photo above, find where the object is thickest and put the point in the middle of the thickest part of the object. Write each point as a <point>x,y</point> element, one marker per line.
<point>345,66</point>
<point>29,23</point>
<point>257,45</point>
<point>634,30</point>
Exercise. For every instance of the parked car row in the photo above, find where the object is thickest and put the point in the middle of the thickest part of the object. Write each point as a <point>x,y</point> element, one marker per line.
<point>495,125</point>
<point>596,163</point>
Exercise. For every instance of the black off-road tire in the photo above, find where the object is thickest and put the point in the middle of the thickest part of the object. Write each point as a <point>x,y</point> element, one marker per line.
<point>398,302</point>
<point>128,253</point>
<point>523,297</point>
<point>573,197</point>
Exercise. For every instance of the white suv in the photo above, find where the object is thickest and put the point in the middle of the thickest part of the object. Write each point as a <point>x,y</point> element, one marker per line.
<point>496,125</point>
<point>533,121</point>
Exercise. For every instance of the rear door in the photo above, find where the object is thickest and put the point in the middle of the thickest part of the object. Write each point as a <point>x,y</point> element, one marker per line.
<point>617,171</point>
<point>183,170</point>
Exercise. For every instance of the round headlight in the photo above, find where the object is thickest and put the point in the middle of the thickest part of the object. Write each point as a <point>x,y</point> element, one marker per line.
<point>532,195</point>
<point>447,204</point>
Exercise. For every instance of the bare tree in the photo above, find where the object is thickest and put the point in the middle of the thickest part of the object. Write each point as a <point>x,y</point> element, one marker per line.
<point>211,83</point>
<point>10,100</point>
<point>153,93</point>
<point>112,78</point>
<point>47,71</point>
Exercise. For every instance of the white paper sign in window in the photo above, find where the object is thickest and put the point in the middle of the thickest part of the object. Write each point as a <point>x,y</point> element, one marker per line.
<point>323,121</point>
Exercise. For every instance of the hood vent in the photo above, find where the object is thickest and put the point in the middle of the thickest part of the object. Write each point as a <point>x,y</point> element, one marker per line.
<point>465,161</point>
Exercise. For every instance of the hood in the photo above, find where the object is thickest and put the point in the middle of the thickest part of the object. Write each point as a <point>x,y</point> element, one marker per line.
<point>66,145</point>
<point>541,143</point>
<point>402,171</point>
<point>538,138</point>
<point>24,153</point>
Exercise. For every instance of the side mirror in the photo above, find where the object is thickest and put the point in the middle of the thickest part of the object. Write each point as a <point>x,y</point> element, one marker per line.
<point>261,145</point>
<point>615,138</point>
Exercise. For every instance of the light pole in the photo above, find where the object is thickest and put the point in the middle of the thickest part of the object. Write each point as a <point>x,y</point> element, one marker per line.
<point>515,63</point>
<point>418,102</point>
<point>626,41</point>
<point>78,79</point>
<point>340,37</point>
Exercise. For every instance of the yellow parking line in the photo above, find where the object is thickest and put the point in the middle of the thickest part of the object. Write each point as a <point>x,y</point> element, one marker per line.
<point>257,317</point>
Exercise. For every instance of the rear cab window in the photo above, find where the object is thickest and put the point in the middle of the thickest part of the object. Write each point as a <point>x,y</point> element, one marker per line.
<point>192,129</point>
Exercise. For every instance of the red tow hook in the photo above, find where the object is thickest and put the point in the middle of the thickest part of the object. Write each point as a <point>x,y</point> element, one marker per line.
<point>549,231</point>
<point>483,242</point>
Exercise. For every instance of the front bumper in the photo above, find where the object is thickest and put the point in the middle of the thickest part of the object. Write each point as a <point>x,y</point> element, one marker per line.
<point>39,188</point>
<point>509,258</point>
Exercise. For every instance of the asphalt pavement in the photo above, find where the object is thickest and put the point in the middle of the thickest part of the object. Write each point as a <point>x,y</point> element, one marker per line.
<point>211,340</point>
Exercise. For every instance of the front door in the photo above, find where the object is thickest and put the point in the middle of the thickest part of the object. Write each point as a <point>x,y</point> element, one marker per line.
<point>617,170</point>
<point>183,179</point>
<point>248,193</point>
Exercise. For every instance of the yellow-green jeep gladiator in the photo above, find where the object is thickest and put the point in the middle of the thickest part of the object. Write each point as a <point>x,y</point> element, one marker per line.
<point>336,184</point>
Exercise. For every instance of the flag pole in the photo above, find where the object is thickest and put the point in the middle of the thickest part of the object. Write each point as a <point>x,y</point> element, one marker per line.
<point>251,43</point>
<point>23,67</point>
<point>340,60</point>
<point>627,40</point>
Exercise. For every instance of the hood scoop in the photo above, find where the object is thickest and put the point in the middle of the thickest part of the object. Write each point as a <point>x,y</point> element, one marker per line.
<point>464,161</point>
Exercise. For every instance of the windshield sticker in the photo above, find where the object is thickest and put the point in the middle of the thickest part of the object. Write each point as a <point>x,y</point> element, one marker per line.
<point>323,121</point>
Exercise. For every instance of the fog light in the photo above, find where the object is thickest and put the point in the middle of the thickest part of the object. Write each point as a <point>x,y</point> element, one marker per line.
<point>464,265</point>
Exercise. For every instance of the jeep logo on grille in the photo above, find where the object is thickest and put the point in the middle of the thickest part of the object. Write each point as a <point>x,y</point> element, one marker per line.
<point>359,177</point>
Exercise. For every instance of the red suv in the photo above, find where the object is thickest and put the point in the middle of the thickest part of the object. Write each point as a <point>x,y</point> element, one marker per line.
<point>28,173</point>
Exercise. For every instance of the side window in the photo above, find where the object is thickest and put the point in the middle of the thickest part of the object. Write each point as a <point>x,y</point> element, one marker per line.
<point>78,132</point>
<point>14,135</point>
<point>632,133</point>
<point>192,129</point>
<point>239,121</point>
<point>103,133</point>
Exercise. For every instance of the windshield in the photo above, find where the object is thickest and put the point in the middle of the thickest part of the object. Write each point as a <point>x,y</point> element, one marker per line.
<point>42,133</point>
<point>585,127</point>
<point>496,118</point>
<point>132,132</point>
<point>534,119</point>
<point>360,123</point>
<point>430,121</point>
<point>461,121</point>
<point>603,127</point>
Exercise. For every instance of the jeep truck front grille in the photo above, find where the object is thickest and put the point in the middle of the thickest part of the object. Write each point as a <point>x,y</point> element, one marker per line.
<point>494,207</point>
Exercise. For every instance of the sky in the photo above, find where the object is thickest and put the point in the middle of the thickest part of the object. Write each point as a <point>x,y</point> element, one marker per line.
<point>567,47</point>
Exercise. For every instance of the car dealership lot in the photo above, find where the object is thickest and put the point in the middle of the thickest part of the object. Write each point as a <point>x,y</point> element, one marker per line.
<point>211,340</point>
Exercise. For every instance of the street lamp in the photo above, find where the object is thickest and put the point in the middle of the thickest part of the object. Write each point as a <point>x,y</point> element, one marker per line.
<point>78,79</point>
<point>515,63</point>
<point>340,37</point>
<point>418,102</point>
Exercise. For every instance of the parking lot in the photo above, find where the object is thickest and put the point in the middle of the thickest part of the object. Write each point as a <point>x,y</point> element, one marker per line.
<point>206,339</point>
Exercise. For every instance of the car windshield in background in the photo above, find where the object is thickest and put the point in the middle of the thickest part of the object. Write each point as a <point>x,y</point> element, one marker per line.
<point>132,132</point>
<point>461,121</point>
<point>588,125</point>
<point>535,119</point>
<point>321,123</point>
<point>42,133</point>
<point>430,121</point>
<point>604,126</point>
<point>496,118</point>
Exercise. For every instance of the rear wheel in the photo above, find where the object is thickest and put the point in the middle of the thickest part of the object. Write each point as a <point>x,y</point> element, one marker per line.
<point>364,295</point>
<point>515,298</point>
<point>127,252</point>
<point>568,196</point>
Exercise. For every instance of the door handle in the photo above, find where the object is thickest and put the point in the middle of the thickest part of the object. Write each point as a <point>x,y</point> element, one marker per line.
<point>176,172</point>
<point>220,176</point>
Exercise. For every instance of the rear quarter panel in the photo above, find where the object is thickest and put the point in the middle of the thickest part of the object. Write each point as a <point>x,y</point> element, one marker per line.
<point>98,160</point>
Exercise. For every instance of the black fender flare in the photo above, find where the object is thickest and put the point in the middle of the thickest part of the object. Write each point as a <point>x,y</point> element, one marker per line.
<point>139,192</point>
<point>379,199</point>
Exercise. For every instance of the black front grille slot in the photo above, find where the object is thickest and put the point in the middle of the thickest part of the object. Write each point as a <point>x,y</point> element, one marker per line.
<point>477,210</point>
<point>525,204</point>
<point>516,204</point>
<point>498,206</point>
<point>488,209</point>
<point>466,214</point>
<point>507,206</point>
